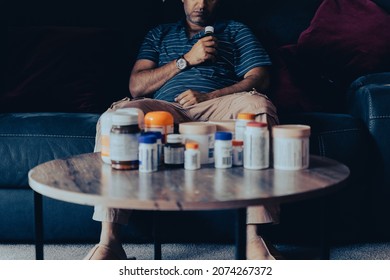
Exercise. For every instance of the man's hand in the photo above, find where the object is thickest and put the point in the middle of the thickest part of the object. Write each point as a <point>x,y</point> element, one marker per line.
<point>205,49</point>
<point>191,97</point>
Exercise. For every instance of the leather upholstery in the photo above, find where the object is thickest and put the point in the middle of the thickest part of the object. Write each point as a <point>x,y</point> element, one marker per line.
<point>28,139</point>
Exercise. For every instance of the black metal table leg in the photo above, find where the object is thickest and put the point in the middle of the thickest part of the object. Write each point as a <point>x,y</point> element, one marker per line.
<point>156,236</point>
<point>38,219</point>
<point>324,234</point>
<point>241,234</point>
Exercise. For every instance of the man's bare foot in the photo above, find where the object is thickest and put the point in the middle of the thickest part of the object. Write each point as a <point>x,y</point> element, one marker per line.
<point>256,249</point>
<point>105,252</point>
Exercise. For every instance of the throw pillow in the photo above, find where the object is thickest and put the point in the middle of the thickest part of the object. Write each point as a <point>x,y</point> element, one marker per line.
<point>346,39</point>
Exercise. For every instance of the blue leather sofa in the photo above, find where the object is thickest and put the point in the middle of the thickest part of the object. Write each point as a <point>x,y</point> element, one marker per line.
<point>66,61</point>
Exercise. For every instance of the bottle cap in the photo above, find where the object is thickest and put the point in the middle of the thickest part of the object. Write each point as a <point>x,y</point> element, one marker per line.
<point>124,119</point>
<point>196,128</point>
<point>133,111</point>
<point>246,116</point>
<point>236,142</point>
<point>147,139</point>
<point>192,145</point>
<point>256,124</point>
<point>209,30</point>
<point>174,138</point>
<point>157,134</point>
<point>291,130</point>
<point>223,135</point>
<point>158,118</point>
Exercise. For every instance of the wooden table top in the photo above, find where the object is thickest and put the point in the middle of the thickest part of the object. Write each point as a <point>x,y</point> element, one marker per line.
<point>85,179</point>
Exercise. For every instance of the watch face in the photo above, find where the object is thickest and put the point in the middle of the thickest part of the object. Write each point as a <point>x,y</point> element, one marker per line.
<point>181,63</point>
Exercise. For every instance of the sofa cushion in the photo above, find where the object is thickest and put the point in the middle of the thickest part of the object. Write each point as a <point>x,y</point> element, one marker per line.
<point>27,140</point>
<point>64,69</point>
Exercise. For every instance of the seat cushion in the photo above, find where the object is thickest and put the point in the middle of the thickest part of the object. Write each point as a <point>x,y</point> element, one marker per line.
<point>27,140</point>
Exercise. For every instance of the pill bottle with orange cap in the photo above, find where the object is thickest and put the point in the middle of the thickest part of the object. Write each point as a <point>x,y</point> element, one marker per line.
<point>192,156</point>
<point>256,146</point>
<point>159,121</point>
<point>291,146</point>
<point>241,121</point>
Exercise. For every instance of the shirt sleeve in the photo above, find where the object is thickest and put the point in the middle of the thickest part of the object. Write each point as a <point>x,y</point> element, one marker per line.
<point>149,48</point>
<point>249,52</point>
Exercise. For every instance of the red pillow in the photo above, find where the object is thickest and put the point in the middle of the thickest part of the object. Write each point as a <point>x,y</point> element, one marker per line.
<point>347,39</point>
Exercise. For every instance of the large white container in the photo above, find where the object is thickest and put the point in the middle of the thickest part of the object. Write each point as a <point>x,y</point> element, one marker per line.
<point>203,134</point>
<point>256,146</point>
<point>291,146</point>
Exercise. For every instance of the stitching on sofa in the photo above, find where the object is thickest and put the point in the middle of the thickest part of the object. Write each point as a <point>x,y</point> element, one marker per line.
<point>46,135</point>
<point>370,115</point>
<point>380,117</point>
<point>338,131</point>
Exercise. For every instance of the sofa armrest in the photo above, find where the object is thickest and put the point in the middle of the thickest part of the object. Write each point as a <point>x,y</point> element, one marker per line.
<point>368,100</point>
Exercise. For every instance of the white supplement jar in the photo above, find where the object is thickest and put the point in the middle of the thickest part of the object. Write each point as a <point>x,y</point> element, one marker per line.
<point>203,134</point>
<point>291,146</point>
<point>105,129</point>
<point>256,146</point>
<point>226,125</point>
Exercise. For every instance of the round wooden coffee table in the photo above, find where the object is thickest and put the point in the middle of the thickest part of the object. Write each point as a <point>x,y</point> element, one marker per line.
<point>85,179</point>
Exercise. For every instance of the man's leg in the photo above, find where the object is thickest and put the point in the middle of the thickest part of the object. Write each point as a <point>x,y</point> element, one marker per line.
<point>228,107</point>
<point>110,245</point>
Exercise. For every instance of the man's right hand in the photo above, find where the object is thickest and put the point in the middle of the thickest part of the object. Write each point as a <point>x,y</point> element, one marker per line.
<point>205,49</point>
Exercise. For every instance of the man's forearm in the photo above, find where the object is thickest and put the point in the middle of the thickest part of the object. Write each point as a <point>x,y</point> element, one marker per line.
<point>260,83</point>
<point>145,82</point>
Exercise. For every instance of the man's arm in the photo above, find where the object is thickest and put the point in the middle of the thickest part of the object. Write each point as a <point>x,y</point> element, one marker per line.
<point>257,78</point>
<point>146,77</point>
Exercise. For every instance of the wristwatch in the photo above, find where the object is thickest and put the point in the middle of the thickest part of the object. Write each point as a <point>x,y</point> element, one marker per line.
<point>181,63</point>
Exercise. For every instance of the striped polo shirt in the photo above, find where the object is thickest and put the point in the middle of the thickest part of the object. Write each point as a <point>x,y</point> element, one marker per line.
<point>238,52</point>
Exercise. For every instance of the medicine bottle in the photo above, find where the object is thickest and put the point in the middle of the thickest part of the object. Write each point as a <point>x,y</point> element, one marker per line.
<point>203,134</point>
<point>241,121</point>
<point>159,121</point>
<point>256,146</point>
<point>148,160</point>
<point>223,150</point>
<point>158,135</point>
<point>124,141</point>
<point>238,152</point>
<point>291,146</point>
<point>105,129</point>
<point>174,151</point>
<point>192,156</point>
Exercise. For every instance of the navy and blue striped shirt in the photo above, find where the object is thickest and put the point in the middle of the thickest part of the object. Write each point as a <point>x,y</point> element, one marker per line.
<point>238,52</point>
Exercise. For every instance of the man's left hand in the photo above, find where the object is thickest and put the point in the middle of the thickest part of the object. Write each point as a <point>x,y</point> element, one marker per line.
<point>191,97</point>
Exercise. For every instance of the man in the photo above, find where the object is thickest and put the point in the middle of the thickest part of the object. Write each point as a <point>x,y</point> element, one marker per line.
<point>196,77</point>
